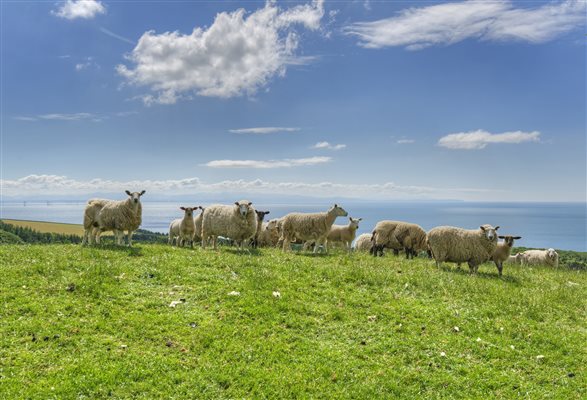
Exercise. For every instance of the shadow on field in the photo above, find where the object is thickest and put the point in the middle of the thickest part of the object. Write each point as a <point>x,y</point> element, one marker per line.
<point>248,252</point>
<point>485,275</point>
<point>131,251</point>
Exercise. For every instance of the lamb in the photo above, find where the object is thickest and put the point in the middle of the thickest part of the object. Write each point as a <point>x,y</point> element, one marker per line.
<point>515,259</point>
<point>269,235</point>
<point>344,234</point>
<point>363,242</point>
<point>91,212</point>
<point>503,250</point>
<point>452,244</point>
<point>398,235</point>
<point>540,257</point>
<point>260,217</point>
<point>182,230</point>
<point>120,216</point>
<point>309,227</point>
<point>237,222</point>
<point>198,224</point>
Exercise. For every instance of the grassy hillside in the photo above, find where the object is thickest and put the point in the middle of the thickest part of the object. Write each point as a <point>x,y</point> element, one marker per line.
<point>49,227</point>
<point>97,323</point>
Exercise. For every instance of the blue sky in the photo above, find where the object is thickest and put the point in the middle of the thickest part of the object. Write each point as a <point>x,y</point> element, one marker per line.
<point>378,100</point>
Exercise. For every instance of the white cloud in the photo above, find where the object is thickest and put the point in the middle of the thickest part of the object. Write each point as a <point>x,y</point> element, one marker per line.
<point>449,23</point>
<point>73,117</point>
<point>264,130</point>
<point>62,185</point>
<point>85,9</point>
<point>479,139</point>
<point>405,141</point>
<point>328,146</point>
<point>267,164</point>
<point>238,54</point>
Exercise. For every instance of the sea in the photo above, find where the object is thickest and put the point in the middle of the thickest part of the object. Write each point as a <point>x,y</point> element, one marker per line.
<point>541,225</point>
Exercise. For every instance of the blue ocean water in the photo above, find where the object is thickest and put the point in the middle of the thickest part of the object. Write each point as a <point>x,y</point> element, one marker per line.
<point>541,225</point>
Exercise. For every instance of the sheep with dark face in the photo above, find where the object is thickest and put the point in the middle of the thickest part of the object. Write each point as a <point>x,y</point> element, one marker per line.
<point>503,250</point>
<point>260,217</point>
<point>183,230</point>
<point>120,216</point>
<point>452,244</point>
<point>237,222</point>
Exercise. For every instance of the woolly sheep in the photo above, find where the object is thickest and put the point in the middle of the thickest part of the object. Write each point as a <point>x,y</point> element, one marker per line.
<point>309,227</point>
<point>120,216</point>
<point>182,230</point>
<point>399,235</point>
<point>260,217</point>
<point>344,234</point>
<point>539,257</point>
<point>269,235</point>
<point>363,242</point>
<point>93,207</point>
<point>452,244</point>
<point>515,259</point>
<point>503,250</point>
<point>237,222</point>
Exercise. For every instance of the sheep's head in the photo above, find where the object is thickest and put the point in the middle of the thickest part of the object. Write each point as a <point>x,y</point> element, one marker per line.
<point>272,225</point>
<point>135,197</point>
<point>261,215</point>
<point>189,211</point>
<point>552,254</point>
<point>509,240</point>
<point>338,211</point>
<point>489,232</point>
<point>354,222</point>
<point>244,207</point>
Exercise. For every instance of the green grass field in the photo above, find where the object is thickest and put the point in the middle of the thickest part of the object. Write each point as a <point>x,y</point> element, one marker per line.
<point>97,323</point>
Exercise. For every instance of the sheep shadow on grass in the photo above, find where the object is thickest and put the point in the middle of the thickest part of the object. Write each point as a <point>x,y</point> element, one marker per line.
<point>480,274</point>
<point>131,251</point>
<point>246,252</point>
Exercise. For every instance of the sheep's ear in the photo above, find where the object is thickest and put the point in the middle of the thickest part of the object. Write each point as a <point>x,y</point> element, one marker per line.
<point>250,203</point>
<point>497,227</point>
<point>142,192</point>
<point>127,192</point>
<point>236,202</point>
<point>267,212</point>
<point>501,237</point>
<point>182,208</point>
<point>360,219</point>
<point>351,219</point>
<point>335,205</point>
<point>517,237</point>
<point>482,228</point>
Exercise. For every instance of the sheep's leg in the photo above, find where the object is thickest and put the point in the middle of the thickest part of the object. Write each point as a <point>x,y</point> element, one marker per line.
<point>325,245</point>
<point>285,243</point>
<point>129,238</point>
<point>214,242</point>
<point>472,269</point>
<point>499,265</point>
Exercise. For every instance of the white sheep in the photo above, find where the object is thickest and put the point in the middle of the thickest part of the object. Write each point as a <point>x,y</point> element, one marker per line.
<point>309,227</point>
<point>502,251</point>
<point>399,235</point>
<point>198,224</point>
<point>344,234</point>
<point>120,216</point>
<point>363,242</point>
<point>269,235</point>
<point>539,257</point>
<point>182,230</point>
<point>237,222</point>
<point>93,207</point>
<point>452,244</point>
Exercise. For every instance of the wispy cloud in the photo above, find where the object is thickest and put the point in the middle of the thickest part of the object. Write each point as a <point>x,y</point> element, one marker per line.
<point>264,130</point>
<point>84,9</point>
<point>405,141</point>
<point>88,62</point>
<point>268,164</point>
<point>205,63</point>
<point>449,23</point>
<point>73,117</point>
<point>117,36</point>
<point>62,185</point>
<point>68,117</point>
<point>328,146</point>
<point>479,139</point>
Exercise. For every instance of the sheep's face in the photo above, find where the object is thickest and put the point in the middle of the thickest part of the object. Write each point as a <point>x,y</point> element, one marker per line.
<point>338,211</point>
<point>551,254</point>
<point>261,215</point>
<point>490,232</point>
<point>244,207</point>
<point>354,222</point>
<point>271,225</point>
<point>509,240</point>
<point>189,211</point>
<point>135,197</point>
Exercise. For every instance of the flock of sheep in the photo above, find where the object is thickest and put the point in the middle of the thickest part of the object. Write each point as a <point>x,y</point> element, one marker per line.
<point>241,224</point>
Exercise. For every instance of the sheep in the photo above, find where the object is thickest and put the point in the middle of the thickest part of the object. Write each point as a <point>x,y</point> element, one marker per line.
<point>540,257</point>
<point>93,207</point>
<point>452,244</point>
<point>269,235</point>
<point>183,229</point>
<point>260,217</point>
<point>503,250</point>
<point>363,242</point>
<point>120,216</point>
<point>309,227</point>
<point>344,234</point>
<point>515,259</point>
<point>198,224</point>
<point>237,222</point>
<point>398,235</point>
